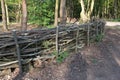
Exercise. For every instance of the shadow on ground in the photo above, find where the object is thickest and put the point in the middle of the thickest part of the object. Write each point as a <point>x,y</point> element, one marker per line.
<point>104,58</point>
<point>77,69</point>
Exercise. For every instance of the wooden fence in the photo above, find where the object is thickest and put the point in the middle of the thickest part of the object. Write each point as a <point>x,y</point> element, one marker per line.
<point>22,47</point>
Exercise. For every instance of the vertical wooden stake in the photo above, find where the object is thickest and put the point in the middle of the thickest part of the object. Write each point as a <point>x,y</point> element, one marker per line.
<point>88,35</point>
<point>57,45</point>
<point>18,50</point>
<point>77,36</point>
<point>97,30</point>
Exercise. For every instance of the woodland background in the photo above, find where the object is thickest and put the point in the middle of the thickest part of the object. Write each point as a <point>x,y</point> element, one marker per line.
<point>51,12</point>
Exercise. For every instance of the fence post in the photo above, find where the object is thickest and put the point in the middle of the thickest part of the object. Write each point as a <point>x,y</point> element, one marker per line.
<point>18,51</point>
<point>88,35</point>
<point>77,37</point>
<point>57,44</point>
<point>97,32</point>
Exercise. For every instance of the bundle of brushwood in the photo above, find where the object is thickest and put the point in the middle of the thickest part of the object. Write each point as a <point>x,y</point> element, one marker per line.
<point>41,43</point>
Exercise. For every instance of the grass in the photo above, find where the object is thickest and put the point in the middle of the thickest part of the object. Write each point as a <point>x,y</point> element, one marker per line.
<point>114,20</point>
<point>99,37</point>
<point>61,57</point>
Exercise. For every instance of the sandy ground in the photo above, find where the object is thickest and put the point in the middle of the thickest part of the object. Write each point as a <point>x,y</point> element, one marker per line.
<point>112,23</point>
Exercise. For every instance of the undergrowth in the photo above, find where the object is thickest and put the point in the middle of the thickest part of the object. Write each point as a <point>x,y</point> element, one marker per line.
<point>61,56</point>
<point>99,37</point>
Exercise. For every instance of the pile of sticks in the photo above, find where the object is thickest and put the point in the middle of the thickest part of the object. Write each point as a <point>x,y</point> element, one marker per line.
<point>28,45</point>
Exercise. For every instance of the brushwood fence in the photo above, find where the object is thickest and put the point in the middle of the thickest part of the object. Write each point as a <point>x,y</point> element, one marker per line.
<point>17,48</point>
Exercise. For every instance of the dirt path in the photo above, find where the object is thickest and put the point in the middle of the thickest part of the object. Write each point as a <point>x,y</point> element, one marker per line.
<point>97,62</point>
<point>112,23</point>
<point>104,59</point>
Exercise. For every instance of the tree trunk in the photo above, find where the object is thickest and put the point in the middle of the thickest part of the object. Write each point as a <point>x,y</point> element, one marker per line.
<point>56,13</point>
<point>4,18</point>
<point>63,12</point>
<point>24,16</point>
<point>18,13</point>
<point>91,9</point>
<point>115,9</point>
<point>7,14</point>
<point>85,14</point>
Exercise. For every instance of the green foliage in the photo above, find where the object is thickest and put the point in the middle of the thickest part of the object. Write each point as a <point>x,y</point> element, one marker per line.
<point>50,26</point>
<point>94,60</point>
<point>61,57</point>
<point>46,44</point>
<point>41,12</point>
<point>115,20</point>
<point>96,38</point>
<point>99,37</point>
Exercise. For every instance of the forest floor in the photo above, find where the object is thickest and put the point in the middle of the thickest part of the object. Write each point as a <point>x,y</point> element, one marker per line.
<point>100,61</point>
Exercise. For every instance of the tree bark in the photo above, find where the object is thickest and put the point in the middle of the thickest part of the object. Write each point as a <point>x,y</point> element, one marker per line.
<point>24,16</point>
<point>115,9</point>
<point>85,14</point>
<point>7,14</point>
<point>4,18</point>
<point>91,9</point>
<point>56,13</point>
<point>18,13</point>
<point>63,12</point>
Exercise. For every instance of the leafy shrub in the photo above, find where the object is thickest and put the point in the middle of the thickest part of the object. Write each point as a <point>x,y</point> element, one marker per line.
<point>61,57</point>
<point>41,12</point>
<point>99,37</point>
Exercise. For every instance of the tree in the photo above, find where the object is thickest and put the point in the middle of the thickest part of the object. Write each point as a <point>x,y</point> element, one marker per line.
<point>24,16</point>
<point>56,13</point>
<point>73,8</point>
<point>7,14</point>
<point>18,12</point>
<point>63,12</point>
<point>4,18</point>
<point>41,12</point>
<point>86,10</point>
<point>115,8</point>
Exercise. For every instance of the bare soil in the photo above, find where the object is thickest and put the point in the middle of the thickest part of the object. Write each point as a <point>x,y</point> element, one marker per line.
<point>100,61</point>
